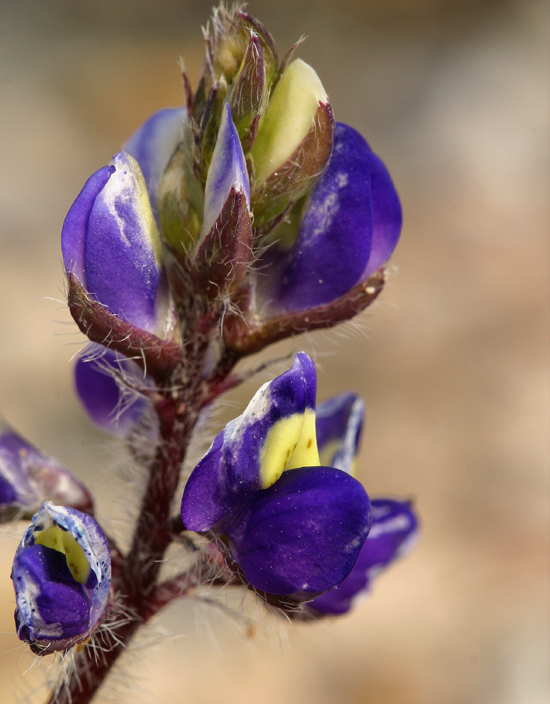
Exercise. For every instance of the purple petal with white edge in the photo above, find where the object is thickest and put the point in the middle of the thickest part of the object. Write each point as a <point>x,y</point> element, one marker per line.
<point>28,477</point>
<point>301,536</point>
<point>123,251</point>
<point>227,170</point>
<point>387,217</point>
<point>112,405</point>
<point>350,226</point>
<point>75,227</point>
<point>153,144</point>
<point>276,432</point>
<point>62,576</point>
<point>339,422</point>
<point>392,534</point>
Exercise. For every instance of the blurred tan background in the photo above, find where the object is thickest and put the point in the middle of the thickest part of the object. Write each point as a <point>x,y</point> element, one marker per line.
<point>452,362</point>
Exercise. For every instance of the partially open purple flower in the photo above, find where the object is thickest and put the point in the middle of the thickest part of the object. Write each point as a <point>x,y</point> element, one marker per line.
<point>105,383</point>
<point>347,228</point>
<point>394,523</point>
<point>294,527</point>
<point>111,245</point>
<point>28,477</point>
<point>62,576</point>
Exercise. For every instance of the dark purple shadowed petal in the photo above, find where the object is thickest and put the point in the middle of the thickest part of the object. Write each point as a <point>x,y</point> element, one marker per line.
<point>75,227</point>
<point>106,404</point>
<point>393,531</point>
<point>339,422</point>
<point>334,241</point>
<point>387,217</point>
<point>153,144</point>
<point>230,470</point>
<point>63,604</point>
<point>121,267</point>
<point>303,534</point>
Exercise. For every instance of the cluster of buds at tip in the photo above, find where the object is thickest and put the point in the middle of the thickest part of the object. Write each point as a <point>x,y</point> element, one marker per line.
<point>249,207</point>
<point>238,219</point>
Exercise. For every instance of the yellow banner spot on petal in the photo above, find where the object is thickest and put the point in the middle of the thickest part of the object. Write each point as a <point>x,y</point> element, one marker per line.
<point>61,540</point>
<point>291,443</point>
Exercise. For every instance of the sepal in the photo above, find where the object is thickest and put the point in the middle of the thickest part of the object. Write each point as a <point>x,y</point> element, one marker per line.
<point>62,577</point>
<point>158,358</point>
<point>28,477</point>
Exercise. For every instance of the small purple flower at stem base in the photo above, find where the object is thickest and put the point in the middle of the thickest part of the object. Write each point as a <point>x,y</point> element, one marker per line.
<point>62,576</point>
<point>293,527</point>
<point>28,477</point>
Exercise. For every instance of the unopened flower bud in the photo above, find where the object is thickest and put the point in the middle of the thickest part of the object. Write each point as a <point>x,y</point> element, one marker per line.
<point>249,93</point>
<point>28,477</point>
<point>293,143</point>
<point>111,245</point>
<point>224,249</point>
<point>62,576</point>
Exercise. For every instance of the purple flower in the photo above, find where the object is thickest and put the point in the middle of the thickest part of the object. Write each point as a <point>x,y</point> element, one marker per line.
<point>294,528</point>
<point>28,477</point>
<point>106,384</point>
<point>62,576</point>
<point>394,524</point>
<point>111,245</point>
<point>348,228</point>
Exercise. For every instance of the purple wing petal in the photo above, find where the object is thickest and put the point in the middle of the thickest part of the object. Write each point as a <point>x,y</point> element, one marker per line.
<point>123,251</point>
<point>75,227</point>
<point>153,144</point>
<point>231,469</point>
<point>301,536</point>
<point>393,532</point>
<point>339,422</point>
<point>227,171</point>
<point>112,407</point>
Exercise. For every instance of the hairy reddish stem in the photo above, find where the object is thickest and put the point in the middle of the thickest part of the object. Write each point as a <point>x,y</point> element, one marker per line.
<point>135,576</point>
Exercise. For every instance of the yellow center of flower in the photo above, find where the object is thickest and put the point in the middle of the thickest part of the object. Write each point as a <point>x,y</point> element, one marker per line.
<point>61,540</point>
<point>291,443</point>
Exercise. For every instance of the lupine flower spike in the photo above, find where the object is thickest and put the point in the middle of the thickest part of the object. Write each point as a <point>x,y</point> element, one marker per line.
<point>244,217</point>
